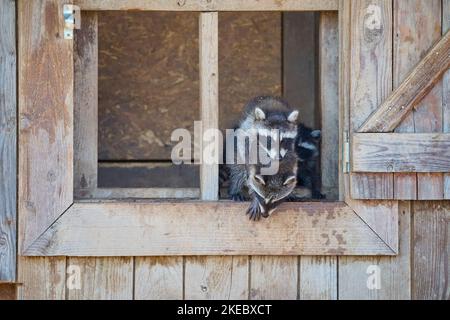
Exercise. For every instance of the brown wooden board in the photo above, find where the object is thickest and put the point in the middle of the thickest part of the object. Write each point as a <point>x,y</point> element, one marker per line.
<point>8,141</point>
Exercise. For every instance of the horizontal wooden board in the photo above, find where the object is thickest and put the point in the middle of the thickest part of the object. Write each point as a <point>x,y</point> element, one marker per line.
<point>401,152</point>
<point>207,228</point>
<point>209,5</point>
<point>141,193</point>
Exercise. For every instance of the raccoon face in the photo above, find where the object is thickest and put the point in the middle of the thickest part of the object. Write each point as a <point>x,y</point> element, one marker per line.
<point>272,190</point>
<point>307,145</point>
<point>285,123</point>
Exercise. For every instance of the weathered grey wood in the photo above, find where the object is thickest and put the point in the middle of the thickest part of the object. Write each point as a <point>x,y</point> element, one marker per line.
<point>209,101</point>
<point>211,5</point>
<point>431,234</point>
<point>446,92</point>
<point>273,278</point>
<point>300,64</point>
<point>158,278</point>
<point>401,152</point>
<point>45,117</point>
<point>329,102</point>
<point>209,228</point>
<point>42,278</point>
<point>86,105</point>
<point>215,278</point>
<point>371,82</point>
<point>394,272</point>
<point>8,137</point>
<point>344,92</point>
<point>318,278</point>
<point>101,278</point>
<point>143,193</point>
<point>415,87</point>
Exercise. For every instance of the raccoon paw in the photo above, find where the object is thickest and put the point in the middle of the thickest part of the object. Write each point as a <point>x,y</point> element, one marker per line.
<point>237,197</point>
<point>254,211</point>
<point>318,195</point>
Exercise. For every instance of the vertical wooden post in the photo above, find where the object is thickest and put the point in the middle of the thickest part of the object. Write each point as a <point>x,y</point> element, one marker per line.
<point>329,102</point>
<point>8,135</point>
<point>446,92</point>
<point>86,105</point>
<point>209,100</point>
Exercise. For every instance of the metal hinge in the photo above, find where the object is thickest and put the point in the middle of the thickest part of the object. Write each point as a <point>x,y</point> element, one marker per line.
<point>346,153</point>
<point>72,20</point>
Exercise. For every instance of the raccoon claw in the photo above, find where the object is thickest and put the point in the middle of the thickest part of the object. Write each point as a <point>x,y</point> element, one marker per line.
<point>254,212</point>
<point>237,197</point>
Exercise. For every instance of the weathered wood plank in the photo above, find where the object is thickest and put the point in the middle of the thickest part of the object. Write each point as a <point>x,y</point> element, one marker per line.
<point>379,278</point>
<point>85,105</point>
<point>446,92</point>
<point>329,102</point>
<point>8,138</point>
<point>428,112</point>
<point>211,228</point>
<point>100,278</point>
<point>318,278</point>
<point>209,103</point>
<point>142,193</point>
<point>215,278</point>
<point>371,82</point>
<point>8,291</point>
<point>273,278</point>
<point>212,5</point>
<point>46,117</point>
<point>42,278</point>
<point>158,278</point>
<point>401,152</point>
<point>414,88</point>
<point>344,92</point>
<point>431,234</point>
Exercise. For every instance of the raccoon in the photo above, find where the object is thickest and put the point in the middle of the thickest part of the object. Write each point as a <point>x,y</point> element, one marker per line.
<point>266,192</point>
<point>307,149</point>
<point>263,115</point>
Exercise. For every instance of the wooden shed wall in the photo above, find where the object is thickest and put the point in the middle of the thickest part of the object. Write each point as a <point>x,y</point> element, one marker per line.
<point>421,271</point>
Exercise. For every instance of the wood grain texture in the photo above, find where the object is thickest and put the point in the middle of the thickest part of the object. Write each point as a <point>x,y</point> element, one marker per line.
<point>213,278</point>
<point>86,105</point>
<point>273,278</point>
<point>46,117</point>
<point>102,278</point>
<point>431,247</point>
<point>401,152</point>
<point>8,291</point>
<point>371,82</point>
<point>158,278</point>
<point>329,102</point>
<point>446,92</point>
<point>8,140</point>
<point>209,104</point>
<point>42,278</point>
<point>213,5</point>
<point>318,278</point>
<point>209,228</point>
<point>394,280</point>
<point>414,88</point>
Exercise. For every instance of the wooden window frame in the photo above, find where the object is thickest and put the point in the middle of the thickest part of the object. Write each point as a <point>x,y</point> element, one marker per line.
<point>51,223</point>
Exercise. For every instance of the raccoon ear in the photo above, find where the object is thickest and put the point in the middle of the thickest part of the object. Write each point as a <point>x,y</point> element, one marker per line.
<point>316,134</point>
<point>293,116</point>
<point>259,114</point>
<point>290,180</point>
<point>260,179</point>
